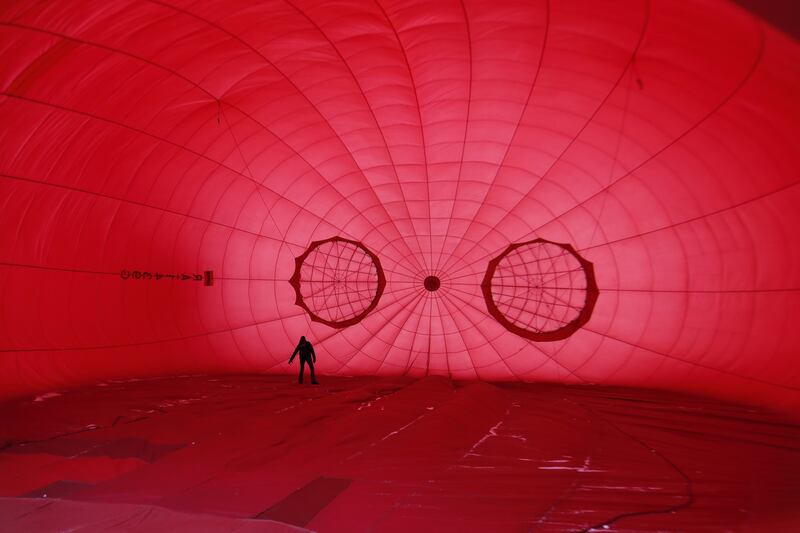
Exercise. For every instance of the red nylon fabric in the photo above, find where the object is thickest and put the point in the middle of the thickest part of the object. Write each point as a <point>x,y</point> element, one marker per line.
<point>170,138</point>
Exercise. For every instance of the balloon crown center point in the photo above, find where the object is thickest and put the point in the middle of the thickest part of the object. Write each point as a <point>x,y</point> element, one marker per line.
<point>432,283</point>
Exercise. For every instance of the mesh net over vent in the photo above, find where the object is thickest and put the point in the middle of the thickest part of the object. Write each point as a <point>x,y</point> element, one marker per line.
<point>540,290</point>
<point>338,281</point>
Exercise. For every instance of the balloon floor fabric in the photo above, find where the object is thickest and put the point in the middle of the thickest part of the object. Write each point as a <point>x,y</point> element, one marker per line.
<point>259,453</point>
<point>573,191</point>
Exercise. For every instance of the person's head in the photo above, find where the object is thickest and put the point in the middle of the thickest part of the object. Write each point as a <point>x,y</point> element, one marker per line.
<point>302,340</point>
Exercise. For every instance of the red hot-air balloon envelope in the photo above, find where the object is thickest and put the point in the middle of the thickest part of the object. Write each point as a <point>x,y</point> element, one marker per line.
<point>494,220</point>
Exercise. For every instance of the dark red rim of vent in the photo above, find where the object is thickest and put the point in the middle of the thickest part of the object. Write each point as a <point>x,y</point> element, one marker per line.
<point>295,282</point>
<point>543,336</point>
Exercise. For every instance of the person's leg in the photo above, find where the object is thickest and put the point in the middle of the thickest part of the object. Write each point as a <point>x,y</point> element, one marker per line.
<point>302,364</point>
<point>311,369</point>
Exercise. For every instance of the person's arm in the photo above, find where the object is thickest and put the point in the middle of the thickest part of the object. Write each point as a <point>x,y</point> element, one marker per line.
<point>314,355</point>
<point>294,353</point>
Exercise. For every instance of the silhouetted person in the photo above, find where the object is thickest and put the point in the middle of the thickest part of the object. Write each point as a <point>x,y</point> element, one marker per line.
<point>307,355</point>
